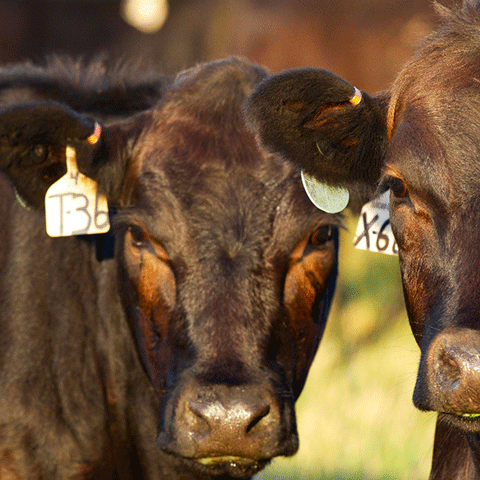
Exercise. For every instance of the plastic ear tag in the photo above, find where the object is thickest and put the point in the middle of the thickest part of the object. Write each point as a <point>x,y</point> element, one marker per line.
<point>325,197</point>
<point>73,205</point>
<point>374,232</point>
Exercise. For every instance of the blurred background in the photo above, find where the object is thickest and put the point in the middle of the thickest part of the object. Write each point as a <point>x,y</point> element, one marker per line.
<point>356,418</point>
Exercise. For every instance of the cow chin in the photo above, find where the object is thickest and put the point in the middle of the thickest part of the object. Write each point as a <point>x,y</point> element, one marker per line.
<point>465,422</point>
<point>235,467</point>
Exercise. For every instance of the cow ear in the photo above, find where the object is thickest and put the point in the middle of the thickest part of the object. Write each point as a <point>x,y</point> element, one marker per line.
<point>323,124</point>
<point>33,140</point>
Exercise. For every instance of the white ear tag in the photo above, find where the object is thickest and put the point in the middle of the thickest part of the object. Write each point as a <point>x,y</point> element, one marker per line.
<point>374,232</point>
<point>73,205</point>
<point>325,197</point>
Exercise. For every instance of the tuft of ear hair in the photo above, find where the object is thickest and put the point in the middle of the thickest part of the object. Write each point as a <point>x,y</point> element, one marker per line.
<point>321,123</point>
<point>51,122</point>
<point>33,138</point>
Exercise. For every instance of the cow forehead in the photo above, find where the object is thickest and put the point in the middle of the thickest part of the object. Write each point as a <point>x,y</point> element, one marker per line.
<point>243,210</point>
<point>436,100</point>
<point>416,152</point>
<point>434,149</point>
<point>197,164</point>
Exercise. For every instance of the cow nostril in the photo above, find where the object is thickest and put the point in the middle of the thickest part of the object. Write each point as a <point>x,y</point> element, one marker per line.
<point>258,418</point>
<point>448,378</point>
<point>449,373</point>
<point>198,417</point>
<point>206,416</point>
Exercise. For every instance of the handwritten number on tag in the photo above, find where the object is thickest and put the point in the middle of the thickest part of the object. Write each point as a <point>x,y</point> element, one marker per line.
<point>73,205</point>
<point>366,228</point>
<point>74,176</point>
<point>101,226</point>
<point>382,238</point>
<point>78,204</point>
<point>374,232</point>
<point>62,197</point>
<point>395,248</point>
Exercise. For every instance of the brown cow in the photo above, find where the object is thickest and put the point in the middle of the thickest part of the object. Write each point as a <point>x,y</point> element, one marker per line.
<point>175,345</point>
<point>422,140</point>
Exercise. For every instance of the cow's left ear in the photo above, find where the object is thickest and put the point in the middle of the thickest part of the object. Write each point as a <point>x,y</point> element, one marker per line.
<point>323,124</point>
<point>33,140</point>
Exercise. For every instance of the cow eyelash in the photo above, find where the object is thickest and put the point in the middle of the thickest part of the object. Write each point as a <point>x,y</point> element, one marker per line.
<point>138,234</point>
<point>322,235</point>
<point>397,186</point>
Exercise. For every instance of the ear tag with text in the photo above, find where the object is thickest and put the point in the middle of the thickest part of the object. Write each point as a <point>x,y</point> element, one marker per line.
<point>73,205</point>
<point>325,197</point>
<point>374,232</point>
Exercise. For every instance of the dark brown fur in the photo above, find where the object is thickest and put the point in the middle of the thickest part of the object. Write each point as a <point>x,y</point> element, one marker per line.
<point>184,334</point>
<point>430,120</point>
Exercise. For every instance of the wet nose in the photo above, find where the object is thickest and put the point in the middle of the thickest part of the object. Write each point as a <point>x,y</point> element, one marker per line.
<point>235,423</point>
<point>220,421</point>
<point>449,376</point>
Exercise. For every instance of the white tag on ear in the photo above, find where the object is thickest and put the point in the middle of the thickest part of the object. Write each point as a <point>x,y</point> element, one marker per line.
<point>73,205</point>
<point>374,232</point>
<point>325,197</point>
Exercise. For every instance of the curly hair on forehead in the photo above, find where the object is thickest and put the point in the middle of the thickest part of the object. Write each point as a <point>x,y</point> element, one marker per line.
<point>104,88</point>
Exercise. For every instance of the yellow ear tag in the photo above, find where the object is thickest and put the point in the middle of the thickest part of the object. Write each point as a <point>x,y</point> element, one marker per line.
<point>73,205</point>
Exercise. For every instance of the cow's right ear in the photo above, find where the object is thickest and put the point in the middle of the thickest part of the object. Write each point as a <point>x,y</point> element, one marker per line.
<point>33,140</point>
<point>323,124</point>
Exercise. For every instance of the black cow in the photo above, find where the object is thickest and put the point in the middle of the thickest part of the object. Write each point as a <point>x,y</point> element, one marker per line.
<point>422,140</point>
<point>175,345</point>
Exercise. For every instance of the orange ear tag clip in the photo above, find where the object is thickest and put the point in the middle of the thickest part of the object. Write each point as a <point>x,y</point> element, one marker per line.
<point>73,205</point>
<point>357,97</point>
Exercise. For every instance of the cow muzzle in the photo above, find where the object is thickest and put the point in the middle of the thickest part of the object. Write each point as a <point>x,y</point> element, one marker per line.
<point>449,377</point>
<point>228,429</point>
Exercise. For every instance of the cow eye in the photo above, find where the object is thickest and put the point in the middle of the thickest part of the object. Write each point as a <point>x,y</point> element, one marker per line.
<point>322,235</point>
<point>138,235</point>
<point>398,186</point>
<point>40,152</point>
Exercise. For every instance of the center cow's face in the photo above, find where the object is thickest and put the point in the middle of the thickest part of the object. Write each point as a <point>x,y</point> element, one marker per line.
<point>232,270</point>
<point>227,270</point>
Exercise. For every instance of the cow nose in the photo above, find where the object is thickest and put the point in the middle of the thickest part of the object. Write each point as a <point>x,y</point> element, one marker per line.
<point>449,379</point>
<point>233,421</point>
<point>240,419</point>
<point>223,422</point>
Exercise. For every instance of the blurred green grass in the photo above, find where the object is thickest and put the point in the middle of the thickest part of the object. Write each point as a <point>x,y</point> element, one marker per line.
<point>356,419</point>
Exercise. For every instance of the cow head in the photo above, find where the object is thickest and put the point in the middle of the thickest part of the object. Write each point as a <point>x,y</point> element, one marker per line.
<point>226,269</point>
<point>420,140</point>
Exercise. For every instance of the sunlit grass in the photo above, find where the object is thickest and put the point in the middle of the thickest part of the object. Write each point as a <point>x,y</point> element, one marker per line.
<point>356,417</point>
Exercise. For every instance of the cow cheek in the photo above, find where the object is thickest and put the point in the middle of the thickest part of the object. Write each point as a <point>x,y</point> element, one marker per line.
<point>416,240</point>
<point>155,286</point>
<point>305,286</point>
<point>416,297</point>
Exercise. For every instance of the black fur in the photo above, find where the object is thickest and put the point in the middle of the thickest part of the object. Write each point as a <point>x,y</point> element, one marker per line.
<point>423,137</point>
<point>306,116</point>
<point>210,294</point>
